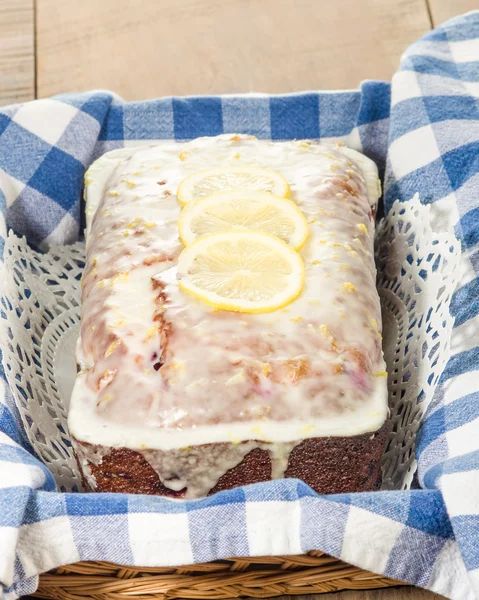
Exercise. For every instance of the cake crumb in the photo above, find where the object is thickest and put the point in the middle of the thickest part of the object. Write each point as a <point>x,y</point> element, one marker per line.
<point>237,378</point>
<point>328,335</point>
<point>111,348</point>
<point>105,398</point>
<point>121,277</point>
<point>116,324</point>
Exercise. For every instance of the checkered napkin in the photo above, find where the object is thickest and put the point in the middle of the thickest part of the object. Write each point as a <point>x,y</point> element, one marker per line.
<point>423,131</point>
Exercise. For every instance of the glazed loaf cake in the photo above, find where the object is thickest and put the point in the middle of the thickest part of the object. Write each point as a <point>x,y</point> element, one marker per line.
<point>175,397</point>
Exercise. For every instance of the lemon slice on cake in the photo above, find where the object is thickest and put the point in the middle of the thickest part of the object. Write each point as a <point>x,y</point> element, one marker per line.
<point>248,271</point>
<point>223,179</point>
<point>243,211</point>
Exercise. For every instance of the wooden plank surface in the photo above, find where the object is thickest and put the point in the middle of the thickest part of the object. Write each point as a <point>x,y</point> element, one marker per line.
<point>17,65</point>
<point>147,49</point>
<point>442,10</point>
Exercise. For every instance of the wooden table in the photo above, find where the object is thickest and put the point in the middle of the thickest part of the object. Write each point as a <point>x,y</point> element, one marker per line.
<point>148,48</point>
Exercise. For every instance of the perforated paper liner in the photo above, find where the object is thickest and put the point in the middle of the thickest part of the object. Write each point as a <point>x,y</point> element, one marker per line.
<point>417,274</point>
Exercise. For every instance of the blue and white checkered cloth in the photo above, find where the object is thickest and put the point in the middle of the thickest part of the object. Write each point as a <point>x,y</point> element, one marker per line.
<point>423,131</point>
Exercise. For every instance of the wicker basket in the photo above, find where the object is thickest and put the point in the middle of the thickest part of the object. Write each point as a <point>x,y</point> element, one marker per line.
<point>261,577</point>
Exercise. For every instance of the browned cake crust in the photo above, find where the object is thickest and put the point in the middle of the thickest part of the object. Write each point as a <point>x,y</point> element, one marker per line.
<point>330,465</point>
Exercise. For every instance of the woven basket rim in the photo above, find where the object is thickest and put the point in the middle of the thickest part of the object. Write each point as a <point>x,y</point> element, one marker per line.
<point>258,577</point>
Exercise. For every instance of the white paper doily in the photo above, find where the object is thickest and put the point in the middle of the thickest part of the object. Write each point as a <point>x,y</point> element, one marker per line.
<point>41,311</point>
<point>417,275</point>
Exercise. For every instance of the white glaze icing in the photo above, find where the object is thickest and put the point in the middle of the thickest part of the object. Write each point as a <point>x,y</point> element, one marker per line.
<point>312,369</point>
<point>196,468</point>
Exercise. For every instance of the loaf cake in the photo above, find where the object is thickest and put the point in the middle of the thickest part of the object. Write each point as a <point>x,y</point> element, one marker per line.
<point>180,398</point>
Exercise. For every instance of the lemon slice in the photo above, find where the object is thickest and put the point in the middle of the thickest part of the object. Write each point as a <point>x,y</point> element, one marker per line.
<point>247,271</point>
<point>222,179</point>
<point>243,211</point>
